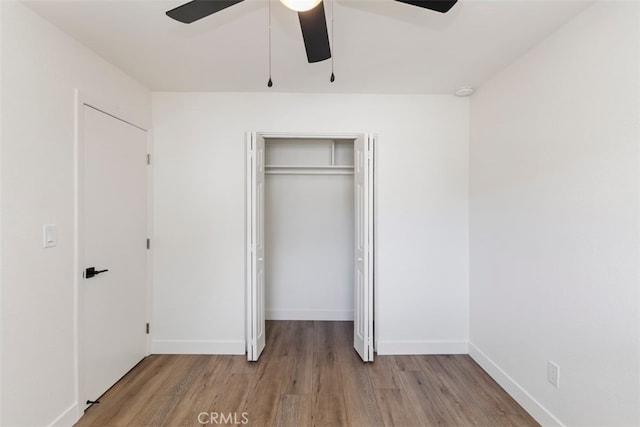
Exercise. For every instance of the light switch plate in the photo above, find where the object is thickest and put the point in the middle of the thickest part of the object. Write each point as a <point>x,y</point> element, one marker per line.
<point>49,235</point>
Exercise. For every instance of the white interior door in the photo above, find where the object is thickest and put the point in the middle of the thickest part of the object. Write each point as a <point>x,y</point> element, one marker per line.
<point>113,302</point>
<point>363,286</point>
<point>255,250</point>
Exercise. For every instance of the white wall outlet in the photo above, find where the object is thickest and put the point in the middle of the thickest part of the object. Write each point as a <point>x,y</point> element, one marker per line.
<point>49,235</point>
<point>553,374</point>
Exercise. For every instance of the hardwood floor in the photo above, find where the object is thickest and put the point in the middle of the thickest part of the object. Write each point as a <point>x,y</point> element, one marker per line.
<point>308,375</point>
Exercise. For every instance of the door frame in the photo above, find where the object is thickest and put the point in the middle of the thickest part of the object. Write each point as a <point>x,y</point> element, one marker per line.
<point>248,220</point>
<point>81,100</point>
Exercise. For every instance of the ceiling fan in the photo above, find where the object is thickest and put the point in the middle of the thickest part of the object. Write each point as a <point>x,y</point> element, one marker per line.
<point>310,13</point>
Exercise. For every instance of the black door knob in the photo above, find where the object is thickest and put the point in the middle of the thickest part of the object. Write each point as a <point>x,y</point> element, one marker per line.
<point>91,271</point>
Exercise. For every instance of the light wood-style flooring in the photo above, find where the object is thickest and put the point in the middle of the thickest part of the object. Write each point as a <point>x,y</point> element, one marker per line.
<point>308,375</point>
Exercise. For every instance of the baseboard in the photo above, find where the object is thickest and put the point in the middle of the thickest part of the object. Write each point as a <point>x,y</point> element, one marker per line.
<point>67,418</point>
<point>528,402</point>
<point>197,347</point>
<point>421,347</point>
<point>334,315</point>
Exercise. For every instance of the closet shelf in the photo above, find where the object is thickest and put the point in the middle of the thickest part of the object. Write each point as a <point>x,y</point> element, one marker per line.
<point>309,169</point>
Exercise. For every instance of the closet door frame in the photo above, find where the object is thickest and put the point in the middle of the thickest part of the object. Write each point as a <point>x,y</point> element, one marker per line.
<point>254,321</point>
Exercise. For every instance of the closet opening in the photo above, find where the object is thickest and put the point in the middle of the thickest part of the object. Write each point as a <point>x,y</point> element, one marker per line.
<point>310,233</point>
<point>309,229</point>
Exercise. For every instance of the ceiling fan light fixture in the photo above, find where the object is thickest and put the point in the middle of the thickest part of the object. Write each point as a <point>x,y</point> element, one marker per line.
<point>300,5</point>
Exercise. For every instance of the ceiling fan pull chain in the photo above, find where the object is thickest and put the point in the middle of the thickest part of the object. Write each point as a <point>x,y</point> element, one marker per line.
<point>333,45</point>
<point>270,82</point>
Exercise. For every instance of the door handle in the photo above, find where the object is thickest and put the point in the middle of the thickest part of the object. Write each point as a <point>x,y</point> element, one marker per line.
<point>91,271</point>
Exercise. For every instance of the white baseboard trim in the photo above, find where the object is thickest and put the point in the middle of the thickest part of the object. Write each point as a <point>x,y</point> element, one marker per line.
<point>197,347</point>
<point>67,418</point>
<point>528,402</point>
<point>421,347</point>
<point>335,315</point>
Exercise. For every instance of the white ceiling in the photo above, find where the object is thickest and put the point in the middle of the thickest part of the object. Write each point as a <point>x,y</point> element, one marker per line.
<point>380,46</point>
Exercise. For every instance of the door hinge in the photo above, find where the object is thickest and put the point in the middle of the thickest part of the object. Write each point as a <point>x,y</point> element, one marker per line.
<point>148,159</point>
<point>148,243</point>
<point>147,329</point>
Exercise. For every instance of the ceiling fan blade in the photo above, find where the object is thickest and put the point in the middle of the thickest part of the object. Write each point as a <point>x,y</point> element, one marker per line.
<point>198,9</point>
<point>314,32</point>
<point>442,6</point>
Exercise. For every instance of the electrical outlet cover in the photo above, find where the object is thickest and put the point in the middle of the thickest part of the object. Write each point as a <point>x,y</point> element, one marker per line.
<point>553,374</point>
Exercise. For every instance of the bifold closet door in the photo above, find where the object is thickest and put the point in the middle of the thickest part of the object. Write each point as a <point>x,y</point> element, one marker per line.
<point>363,298</point>
<point>255,246</point>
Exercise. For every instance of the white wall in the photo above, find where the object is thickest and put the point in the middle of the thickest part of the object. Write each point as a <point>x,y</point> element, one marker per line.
<point>199,205</point>
<point>41,67</point>
<point>309,235</point>
<point>554,233</point>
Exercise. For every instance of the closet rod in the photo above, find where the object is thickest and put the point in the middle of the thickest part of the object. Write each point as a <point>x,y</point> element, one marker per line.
<point>308,172</point>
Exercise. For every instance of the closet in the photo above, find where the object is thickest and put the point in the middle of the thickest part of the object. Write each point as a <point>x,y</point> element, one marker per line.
<point>310,233</point>
<point>309,229</point>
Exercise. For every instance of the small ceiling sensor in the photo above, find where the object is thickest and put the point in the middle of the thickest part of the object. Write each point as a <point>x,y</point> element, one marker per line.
<point>464,91</point>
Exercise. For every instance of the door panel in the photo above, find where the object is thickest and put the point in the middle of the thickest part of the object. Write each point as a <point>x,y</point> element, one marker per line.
<point>363,256</point>
<point>113,304</point>
<point>256,316</point>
